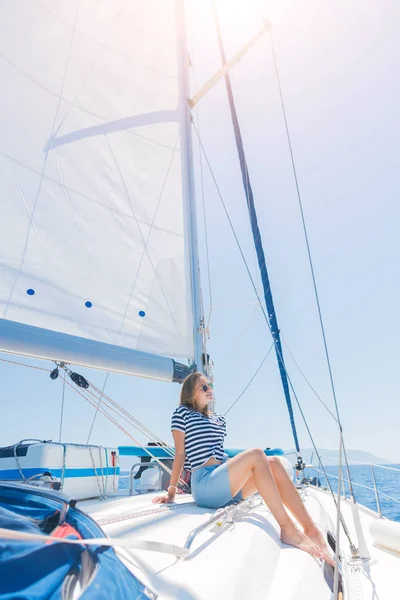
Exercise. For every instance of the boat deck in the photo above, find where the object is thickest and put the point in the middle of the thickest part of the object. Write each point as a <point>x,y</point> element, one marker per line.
<point>244,559</point>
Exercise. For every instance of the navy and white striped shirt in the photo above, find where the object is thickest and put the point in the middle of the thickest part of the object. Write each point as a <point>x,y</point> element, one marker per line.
<point>204,436</point>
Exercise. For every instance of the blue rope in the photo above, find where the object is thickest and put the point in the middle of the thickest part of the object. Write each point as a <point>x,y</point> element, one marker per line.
<point>273,322</point>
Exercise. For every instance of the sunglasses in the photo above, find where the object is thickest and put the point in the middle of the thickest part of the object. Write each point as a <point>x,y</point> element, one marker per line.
<point>207,386</point>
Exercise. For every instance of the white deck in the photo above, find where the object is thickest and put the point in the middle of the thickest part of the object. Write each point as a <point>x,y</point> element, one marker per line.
<point>246,560</point>
<point>378,577</point>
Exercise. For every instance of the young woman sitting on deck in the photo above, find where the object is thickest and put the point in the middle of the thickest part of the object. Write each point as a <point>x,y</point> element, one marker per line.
<point>216,480</point>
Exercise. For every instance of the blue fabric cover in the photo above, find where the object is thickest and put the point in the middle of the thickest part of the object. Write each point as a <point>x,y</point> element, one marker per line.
<point>36,571</point>
<point>32,570</point>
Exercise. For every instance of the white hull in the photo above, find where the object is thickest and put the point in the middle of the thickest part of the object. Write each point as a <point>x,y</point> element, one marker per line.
<point>84,471</point>
<point>245,559</point>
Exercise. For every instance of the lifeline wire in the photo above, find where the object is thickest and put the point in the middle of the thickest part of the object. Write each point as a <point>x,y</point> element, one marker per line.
<point>365,487</point>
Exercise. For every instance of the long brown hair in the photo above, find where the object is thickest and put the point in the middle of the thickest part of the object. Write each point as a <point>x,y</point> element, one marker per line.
<point>187,391</point>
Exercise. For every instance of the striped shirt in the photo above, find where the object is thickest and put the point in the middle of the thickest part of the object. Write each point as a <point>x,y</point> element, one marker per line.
<point>204,436</point>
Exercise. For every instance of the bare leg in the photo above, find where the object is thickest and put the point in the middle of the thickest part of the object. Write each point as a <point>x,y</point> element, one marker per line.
<point>291,499</point>
<point>254,463</point>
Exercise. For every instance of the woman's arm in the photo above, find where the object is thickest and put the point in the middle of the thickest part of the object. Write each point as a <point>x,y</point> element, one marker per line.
<point>177,466</point>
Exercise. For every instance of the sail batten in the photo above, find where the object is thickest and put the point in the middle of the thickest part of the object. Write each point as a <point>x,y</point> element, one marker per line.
<point>93,239</point>
<point>165,116</point>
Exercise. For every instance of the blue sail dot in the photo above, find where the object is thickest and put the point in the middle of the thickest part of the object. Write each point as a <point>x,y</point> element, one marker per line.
<point>88,304</point>
<point>30,292</point>
<point>142,313</point>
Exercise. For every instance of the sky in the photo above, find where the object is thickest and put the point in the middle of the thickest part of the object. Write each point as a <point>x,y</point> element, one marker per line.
<point>338,65</point>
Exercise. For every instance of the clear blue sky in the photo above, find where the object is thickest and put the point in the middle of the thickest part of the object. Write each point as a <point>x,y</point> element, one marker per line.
<point>339,65</point>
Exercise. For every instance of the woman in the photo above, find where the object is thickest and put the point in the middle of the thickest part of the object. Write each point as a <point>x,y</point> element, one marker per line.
<point>199,434</point>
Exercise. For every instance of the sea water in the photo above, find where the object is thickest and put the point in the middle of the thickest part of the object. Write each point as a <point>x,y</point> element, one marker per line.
<point>387,482</point>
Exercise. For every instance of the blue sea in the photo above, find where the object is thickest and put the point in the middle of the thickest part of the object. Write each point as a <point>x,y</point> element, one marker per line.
<point>388,482</point>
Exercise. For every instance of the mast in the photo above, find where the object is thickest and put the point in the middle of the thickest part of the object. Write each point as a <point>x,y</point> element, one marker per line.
<point>188,188</point>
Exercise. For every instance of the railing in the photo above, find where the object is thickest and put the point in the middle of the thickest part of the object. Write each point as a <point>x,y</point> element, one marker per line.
<point>151,465</point>
<point>378,493</point>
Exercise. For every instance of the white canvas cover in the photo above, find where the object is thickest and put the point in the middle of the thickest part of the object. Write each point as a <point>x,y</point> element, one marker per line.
<point>92,225</point>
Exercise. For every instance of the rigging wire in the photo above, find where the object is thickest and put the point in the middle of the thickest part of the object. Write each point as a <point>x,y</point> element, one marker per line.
<point>98,404</point>
<point>344,525</point>
<point>62,411</point>
<point>255,230</point>
<point>307,381</point>
<point>135,421</point>
<point>264,313</point>
<point>128,418</point>
<point>91,400</point>
<point>115,422</point>
<point>244,332</point>
<point>114,406</point>
<point>269,325</point>
<point>245,262</point>
<point>327,356</point>
<point>116,411</point>
<point>251,380</point>
<point>20,364</point>
<point>232,229</point>
<point>337,554</point>
<point>300,202</point>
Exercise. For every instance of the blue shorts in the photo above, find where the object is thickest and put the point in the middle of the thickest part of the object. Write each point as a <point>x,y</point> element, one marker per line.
<point>211,486</point>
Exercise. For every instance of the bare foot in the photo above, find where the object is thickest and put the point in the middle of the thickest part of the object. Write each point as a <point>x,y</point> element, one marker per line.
<point>293,537</point>
<point>316,536</point>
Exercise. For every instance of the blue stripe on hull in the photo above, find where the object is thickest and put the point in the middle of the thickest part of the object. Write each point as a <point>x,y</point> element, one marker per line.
<point>7,474</point>
<point>163,453</point>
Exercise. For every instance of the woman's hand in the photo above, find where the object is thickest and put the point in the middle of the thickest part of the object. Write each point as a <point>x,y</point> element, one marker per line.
<point>168,499</point>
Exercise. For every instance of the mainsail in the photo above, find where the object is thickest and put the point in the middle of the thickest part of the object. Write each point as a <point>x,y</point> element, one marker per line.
<point>94,234</point>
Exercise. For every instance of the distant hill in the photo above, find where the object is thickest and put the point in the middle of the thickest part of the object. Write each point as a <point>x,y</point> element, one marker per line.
<point>353,456</point>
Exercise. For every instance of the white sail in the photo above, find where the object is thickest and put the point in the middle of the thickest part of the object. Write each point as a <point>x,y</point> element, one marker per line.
<point>92,228</point>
